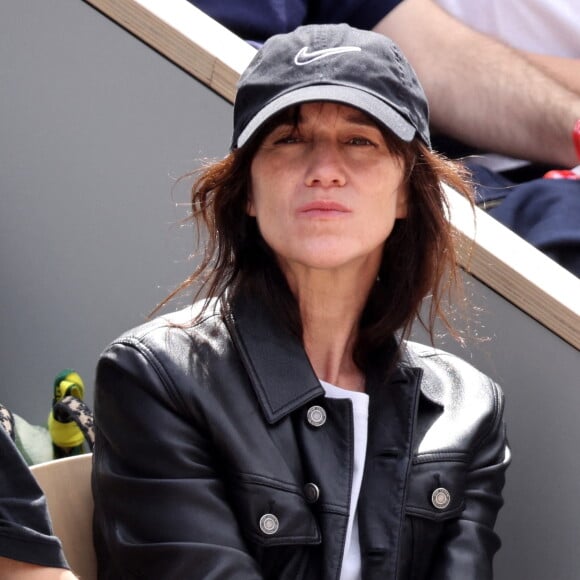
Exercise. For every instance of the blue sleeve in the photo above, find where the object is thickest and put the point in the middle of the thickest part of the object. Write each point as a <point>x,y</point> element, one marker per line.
<point>257,20</point>
<point>363,14</point>
<point>25,529</point>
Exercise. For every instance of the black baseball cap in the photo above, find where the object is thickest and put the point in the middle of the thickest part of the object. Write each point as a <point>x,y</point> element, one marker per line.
<point>331,62</point>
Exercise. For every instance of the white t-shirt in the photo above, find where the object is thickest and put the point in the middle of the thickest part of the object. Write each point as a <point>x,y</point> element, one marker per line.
<point>351,561</point>
<point>542,26</point>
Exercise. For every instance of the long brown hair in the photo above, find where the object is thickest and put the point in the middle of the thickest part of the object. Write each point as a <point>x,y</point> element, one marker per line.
<point>419,257</point>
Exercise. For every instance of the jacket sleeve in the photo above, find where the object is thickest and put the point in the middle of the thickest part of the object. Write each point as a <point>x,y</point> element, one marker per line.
<point>469,541</point>
<point>161,509</point>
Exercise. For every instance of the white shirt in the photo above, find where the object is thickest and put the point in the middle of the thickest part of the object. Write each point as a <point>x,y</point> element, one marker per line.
<point>542,26</point>
<point>351,561</point>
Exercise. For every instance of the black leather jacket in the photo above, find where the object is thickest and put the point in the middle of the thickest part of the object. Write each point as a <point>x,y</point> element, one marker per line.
<point>206,454</point>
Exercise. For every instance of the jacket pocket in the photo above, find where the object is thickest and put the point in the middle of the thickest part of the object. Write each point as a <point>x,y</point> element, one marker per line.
<point>435,497</point>
<point>437,486</point>
<point>273,513</point>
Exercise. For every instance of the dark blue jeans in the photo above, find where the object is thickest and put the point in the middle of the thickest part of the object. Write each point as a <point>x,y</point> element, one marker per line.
<point>545,212</point>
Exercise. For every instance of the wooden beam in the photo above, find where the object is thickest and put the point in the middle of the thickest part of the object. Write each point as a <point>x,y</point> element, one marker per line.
<point>516,270</point>
<point>187,37</point>
<point>488,251</point>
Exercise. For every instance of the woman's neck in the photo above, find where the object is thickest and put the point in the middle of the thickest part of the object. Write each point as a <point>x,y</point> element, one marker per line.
<point>330,308</point>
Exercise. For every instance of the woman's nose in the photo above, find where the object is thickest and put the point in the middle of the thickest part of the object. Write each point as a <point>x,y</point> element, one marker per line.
<point>324,167</point>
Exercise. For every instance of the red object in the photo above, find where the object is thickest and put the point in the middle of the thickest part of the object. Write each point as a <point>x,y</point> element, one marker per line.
<point>569,173</point>
<point>562,174</point>
<point>576,138</point>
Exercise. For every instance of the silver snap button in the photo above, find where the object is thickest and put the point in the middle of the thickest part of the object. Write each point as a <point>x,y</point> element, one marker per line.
<point>316,416</point>
<point>440,498</point>
<point>269,524</point>
<point>311,492</point>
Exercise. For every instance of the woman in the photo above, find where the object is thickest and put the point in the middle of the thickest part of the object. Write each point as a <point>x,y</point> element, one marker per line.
<point>283,429</point>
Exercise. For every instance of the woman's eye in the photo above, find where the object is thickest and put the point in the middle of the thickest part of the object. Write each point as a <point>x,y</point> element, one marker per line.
<point>287,139</point>
<point>360,141</point>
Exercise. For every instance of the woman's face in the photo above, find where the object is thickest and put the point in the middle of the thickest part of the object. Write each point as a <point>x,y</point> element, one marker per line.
<point>326,190</point>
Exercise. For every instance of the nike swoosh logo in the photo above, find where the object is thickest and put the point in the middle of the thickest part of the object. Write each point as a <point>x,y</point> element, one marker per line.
<point>303,56</point>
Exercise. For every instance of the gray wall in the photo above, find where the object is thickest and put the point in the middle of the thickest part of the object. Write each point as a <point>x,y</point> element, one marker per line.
<point>94,127</point>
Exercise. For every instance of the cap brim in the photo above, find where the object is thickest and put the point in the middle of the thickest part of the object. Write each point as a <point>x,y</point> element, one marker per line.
<point>373,106</point>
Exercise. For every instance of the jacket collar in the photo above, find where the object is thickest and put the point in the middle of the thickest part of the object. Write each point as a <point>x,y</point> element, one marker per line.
<point>276,362</point>
<point>274,358</point>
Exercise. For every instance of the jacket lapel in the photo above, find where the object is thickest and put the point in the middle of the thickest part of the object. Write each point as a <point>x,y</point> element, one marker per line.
<point>274,358</point>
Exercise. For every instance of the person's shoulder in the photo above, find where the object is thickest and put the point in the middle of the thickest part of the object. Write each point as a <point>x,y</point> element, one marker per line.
<point>170,349</point>
<point>448,377</point>
<point>418,354</point>
<point>187,320</point>
<point>470,403</point>
<point>196,323</point>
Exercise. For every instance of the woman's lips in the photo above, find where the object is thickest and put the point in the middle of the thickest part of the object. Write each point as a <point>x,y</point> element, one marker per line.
<point>323,207</point>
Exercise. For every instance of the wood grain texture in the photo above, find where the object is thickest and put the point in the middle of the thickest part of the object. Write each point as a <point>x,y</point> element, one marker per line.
<point>488,251</point>
<point>187,37</point>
